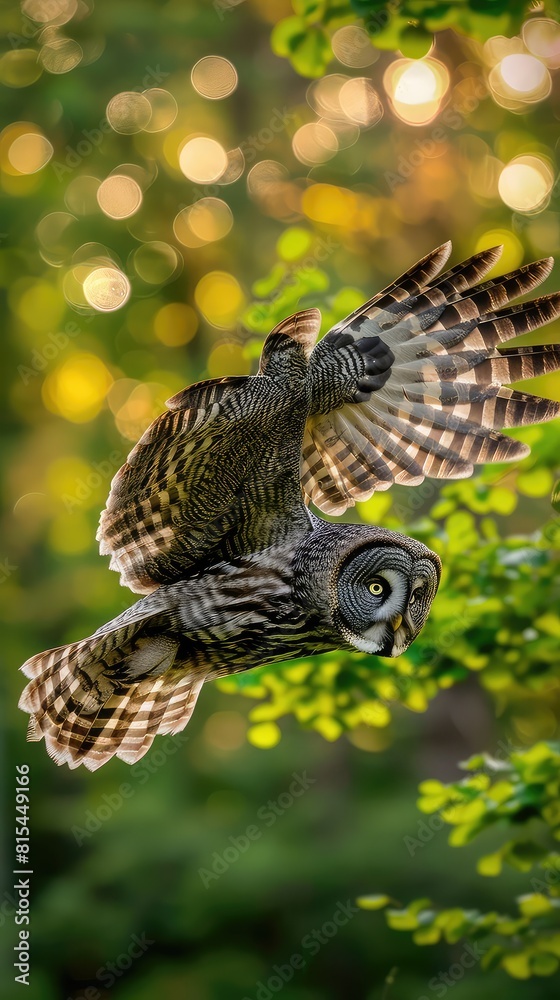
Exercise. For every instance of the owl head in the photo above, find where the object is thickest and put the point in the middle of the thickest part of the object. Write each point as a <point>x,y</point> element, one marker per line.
<point>374,587</point>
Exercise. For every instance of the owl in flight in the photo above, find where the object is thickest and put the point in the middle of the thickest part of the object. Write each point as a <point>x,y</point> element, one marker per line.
<point>209,516</point>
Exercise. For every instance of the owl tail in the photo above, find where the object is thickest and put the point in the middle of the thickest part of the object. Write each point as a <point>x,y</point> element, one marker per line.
<point>84,701</point>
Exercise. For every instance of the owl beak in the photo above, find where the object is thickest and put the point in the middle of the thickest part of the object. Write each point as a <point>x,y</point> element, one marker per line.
<point>396,622</point>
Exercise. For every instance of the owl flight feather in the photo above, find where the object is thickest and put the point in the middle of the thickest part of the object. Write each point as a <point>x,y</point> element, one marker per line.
<point>207,516</point>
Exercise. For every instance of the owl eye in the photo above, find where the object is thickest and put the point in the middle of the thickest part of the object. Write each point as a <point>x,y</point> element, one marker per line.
<point>376,588</point>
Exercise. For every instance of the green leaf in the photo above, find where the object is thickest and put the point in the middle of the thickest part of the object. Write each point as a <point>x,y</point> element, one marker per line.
<point>534,904</point>
<point>294,243</point>
<point>490,865</point>
<point>491,958</point>
<point>287,34</point>
<point>555,499</point>
<point>307,46</point>
<point>517,965</point>
<point>544,965</point>
<point>402,920</point>
<point>427,935</point>
<point>415,43</point>
<point>375,902</point>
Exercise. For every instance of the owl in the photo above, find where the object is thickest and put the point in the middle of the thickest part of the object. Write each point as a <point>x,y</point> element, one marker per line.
<point>210,516</point>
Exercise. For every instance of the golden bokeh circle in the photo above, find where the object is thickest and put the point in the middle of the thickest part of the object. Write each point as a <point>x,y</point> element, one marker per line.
<point>214,77</point>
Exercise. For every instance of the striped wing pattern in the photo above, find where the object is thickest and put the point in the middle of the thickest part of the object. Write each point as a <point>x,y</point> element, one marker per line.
<point>87,711</point>
<point>183,489</point>
<point>159,491</point>
<point>442,407</point>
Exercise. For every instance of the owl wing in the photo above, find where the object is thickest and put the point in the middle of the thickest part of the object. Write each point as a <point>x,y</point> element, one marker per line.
<point>180,499</point>
<point>160,516</point>
<point>412,383</point>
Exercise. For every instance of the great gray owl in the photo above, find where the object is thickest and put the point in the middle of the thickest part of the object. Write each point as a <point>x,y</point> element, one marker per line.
<point>208,516</point>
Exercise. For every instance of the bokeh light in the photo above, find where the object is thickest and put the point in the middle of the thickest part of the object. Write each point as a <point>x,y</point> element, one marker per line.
<point>323,95</point>
<point>269,184</point>
<point>228,358</point>
<point>55,234</point>
<point>214,77</point>
<point>20,68</point>
<point>157,262</point>
<point>519,79</point>
<point>106,289</point>
<point>164,109</point>
<point>416,88</point>
<point>352,46</point>
<point>225,731</point>
<point>119,196</point>
<point>129,112</point>
<point>329,204</point>
<point>220,298</point>
<point>235,167</point>
<point>203,160</point>
<point>314,143</point>
<point>525,184</point>
<point>208,220</point>
<point>523,72</point>
<point>135,405</point>
<point>51,12</point>
<point>60,55</point>
<point>76,389</point>
<point>175,324</point>
<point>542,38</point>
<point>29,152</point>
<point>360,102</point>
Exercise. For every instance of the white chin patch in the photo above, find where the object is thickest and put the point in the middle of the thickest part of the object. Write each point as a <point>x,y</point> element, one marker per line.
<point>372,640</point>
<point>402,642</point>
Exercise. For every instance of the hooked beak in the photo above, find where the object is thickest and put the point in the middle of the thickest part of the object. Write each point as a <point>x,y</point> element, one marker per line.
<point>396,622</point>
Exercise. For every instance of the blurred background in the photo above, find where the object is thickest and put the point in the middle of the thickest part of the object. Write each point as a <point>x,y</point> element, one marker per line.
<point>171,186</point>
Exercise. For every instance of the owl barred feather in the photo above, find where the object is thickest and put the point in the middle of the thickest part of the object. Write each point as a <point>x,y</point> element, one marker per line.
<point>207,516</point>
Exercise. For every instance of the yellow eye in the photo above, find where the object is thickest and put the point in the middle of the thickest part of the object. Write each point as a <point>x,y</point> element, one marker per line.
<point>376,588</point>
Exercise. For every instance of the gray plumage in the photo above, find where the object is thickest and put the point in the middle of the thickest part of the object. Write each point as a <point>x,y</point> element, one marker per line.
<point>207,517</point>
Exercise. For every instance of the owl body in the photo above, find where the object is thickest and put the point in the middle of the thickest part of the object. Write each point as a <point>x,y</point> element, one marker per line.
<point>208,518</point>
<point>141,673</point>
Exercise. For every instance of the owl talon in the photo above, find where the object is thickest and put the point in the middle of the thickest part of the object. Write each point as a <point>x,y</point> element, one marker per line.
<point>342,340</point>
<point>377,359</point>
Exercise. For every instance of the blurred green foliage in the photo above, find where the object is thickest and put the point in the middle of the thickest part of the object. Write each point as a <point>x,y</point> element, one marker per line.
<point>407,26</point>
<point>520,791</point>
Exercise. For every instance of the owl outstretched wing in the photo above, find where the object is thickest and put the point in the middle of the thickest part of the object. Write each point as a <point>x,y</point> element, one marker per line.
<point>192,491</point>
<point>113,692</point>
<point>159,491</point>
<point>412,384</point>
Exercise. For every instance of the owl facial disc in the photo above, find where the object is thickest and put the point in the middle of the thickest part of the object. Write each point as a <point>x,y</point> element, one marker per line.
<point>383,597</point>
